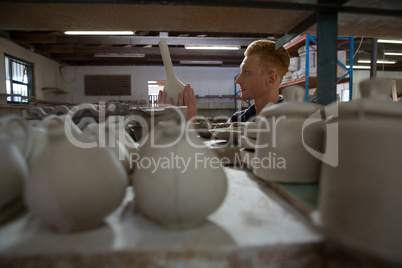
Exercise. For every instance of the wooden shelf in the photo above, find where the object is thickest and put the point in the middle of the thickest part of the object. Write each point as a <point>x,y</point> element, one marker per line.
<point>54,90</point>
<point>41,101</point>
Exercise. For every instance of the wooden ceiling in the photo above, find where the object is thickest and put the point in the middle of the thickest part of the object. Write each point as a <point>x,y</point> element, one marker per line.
<point>40,26</point>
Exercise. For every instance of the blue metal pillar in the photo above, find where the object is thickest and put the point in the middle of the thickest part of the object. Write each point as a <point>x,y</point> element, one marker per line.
<point>327,28</point>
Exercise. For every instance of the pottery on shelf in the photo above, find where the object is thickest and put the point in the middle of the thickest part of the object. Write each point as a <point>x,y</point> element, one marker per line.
<point>143,119</point>
<point>173,86</point>
<point>13,167</point>
<point>17,128</point>
<point>288,133</point>
<point>39,139</point>
<point>175,194</point>
<point>113,136</point>
<point>360,198</point>
<point>73,188</point>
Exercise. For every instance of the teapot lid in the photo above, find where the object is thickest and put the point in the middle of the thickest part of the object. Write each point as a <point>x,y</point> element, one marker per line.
<point>376,100</point>
<point>293,105</point>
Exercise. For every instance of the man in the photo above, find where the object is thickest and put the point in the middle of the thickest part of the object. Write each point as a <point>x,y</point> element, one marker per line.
<point>262,71</point>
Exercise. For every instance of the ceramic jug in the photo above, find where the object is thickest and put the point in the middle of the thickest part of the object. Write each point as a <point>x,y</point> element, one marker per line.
<point>288,132</point>
<point>184,188</point>
<point>113,136</point>
<point>17,128</point>
<point>73,188</point>
<point>145,119</point>
<point>173,86</point>
<point>13,167</point>
<point>38,134</point>
<point>360,199</point>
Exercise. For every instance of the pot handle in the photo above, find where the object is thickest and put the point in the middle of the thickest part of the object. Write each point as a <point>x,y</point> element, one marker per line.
<point>18,129</point>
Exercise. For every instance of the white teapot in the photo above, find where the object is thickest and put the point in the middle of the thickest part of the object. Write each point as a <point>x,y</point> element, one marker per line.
<point>288,131</point>
<point>73,188</point>
<point>14,170</point>
<point>360,200</point>
<point>179,188</point>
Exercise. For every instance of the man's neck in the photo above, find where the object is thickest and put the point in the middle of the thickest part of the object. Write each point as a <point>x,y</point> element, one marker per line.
<point>262,101</point>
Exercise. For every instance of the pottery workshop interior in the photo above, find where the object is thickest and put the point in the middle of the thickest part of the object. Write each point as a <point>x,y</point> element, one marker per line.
<point>200,133</point>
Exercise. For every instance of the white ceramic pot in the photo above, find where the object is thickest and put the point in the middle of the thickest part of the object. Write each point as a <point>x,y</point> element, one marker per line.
<point>73,188</point>
<point>17,128</point>
<point>360,199</point>
<point>146,118</point>
<point>113,136</point>
<point>287,131</point>
<point>171,193</point>
<point>14,170</point>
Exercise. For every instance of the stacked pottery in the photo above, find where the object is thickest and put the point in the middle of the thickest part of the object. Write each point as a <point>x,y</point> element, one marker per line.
<point>71,187</point>
<point>184,188</point>
<point>360,199</point>
<point>289,134</point>
<point>14,170</point>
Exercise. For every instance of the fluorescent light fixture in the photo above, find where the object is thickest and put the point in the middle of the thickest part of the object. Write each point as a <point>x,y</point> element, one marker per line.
<point>215,62</point>
<point>212,47</point>
<point>119,55</point>
<point>393,53</point>
<point>99,32</point>
<point>359,67</point>
<point>389,41</point>
<point>152,82</point>
<point>378,61</point>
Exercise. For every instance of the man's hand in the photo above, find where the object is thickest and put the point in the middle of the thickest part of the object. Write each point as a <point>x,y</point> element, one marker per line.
<point>162,99</point>
<point>186,98</point>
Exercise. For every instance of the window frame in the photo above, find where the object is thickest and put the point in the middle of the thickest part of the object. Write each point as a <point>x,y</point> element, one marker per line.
<point>29,84</point>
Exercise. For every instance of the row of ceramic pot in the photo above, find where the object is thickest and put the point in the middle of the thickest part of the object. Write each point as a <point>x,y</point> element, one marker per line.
<point>73,176</point>
<point>352,149</point>
<point>85,110</point>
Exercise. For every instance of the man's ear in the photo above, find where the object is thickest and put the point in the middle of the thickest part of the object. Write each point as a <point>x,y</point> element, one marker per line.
<point>272,79</point>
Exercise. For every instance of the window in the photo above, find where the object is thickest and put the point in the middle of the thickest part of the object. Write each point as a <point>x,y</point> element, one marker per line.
<point>19,79</point>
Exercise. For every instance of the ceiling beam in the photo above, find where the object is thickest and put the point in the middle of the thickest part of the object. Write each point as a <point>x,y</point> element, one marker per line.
<point>65,49</point>
<point>129,40</point>
<point>334,7</point>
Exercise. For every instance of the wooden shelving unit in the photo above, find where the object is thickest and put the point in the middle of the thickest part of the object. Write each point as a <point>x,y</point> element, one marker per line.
<point>54,90</point>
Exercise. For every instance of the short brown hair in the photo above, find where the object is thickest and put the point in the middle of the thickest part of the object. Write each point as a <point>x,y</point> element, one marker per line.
<point>271,59</point>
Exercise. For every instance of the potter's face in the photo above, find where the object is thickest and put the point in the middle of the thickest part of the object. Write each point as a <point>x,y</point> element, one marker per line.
<point>252,79</point>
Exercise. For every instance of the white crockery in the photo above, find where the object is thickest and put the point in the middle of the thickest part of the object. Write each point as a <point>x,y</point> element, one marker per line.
<point>360,198</point>
<point>287,131</point>
<point>73,188</point>
<point>172,194</point>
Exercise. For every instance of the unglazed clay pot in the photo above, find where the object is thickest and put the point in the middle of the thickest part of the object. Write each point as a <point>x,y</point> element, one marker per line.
<point>173,86</point>
<point>360,200</point>
<point>171,193</point>
<point>288,132</point>
<point>113,136</point>
<point>146,118</point>
<point>73,188</point>
<point>17,128</point>
<point>13,167</point>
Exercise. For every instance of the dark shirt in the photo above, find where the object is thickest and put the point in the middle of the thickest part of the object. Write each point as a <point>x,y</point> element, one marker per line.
<point>246,114</point>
